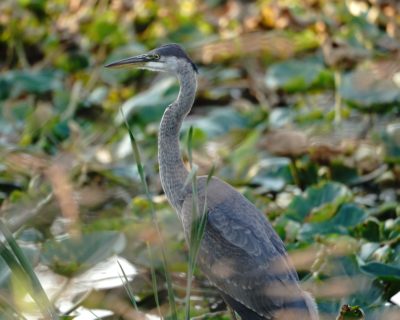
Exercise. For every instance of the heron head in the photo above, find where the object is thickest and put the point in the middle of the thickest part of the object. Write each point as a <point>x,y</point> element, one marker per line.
<point>168,58</point>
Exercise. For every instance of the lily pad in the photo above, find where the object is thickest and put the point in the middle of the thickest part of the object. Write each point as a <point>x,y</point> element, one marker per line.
<point>371,87</point>
<point>70,256</point>
<point>298,75</point>
<point>391,140</point>
<point>382,271</point>
<point>348,216</point>
<point>273,174</point>
<point>318,203</point>
<point>27,81</point>
<point>148,106</point>
<point>218,122</point>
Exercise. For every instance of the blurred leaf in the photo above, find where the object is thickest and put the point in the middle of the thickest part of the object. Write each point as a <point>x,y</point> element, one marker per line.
<point>348,216</point>
<point>97,96</point>
<point>371,87</point>
<point>391,140</point>
<point>36,6</point>
<point>70,256</point>
<point>5,273</point>
<point>367,250</point>
<point>105,29</point>
<point>273,174</point>
<point>369,230</point>
<point>279,117</point>
<point>31,81</point>
<point>318,203</point>
<point>72,61</point>
<point>218,122</point>
<point>30,235</point>
<point>148,106</point>
<point>382,271</point>
<point>298,75</point>
<point>342,173</point>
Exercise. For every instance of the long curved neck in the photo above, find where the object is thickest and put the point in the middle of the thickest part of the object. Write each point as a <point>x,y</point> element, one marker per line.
<point>173,172</point>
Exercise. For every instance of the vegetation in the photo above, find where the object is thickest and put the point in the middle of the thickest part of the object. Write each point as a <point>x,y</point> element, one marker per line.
<point>298,108</point>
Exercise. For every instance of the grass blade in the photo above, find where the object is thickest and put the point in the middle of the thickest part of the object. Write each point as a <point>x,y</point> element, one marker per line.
<point>136,153</point>
<point>125,282</point>
<point>154,281</point>
<point>198,223</point>
<point>190,146</point>
<point>18,262</point>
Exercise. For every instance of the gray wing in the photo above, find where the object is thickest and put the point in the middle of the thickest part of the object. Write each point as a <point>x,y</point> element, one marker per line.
<point>241,254</point>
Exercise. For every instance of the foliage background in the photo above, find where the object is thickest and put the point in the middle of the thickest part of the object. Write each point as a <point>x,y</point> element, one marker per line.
<point>298,108</point>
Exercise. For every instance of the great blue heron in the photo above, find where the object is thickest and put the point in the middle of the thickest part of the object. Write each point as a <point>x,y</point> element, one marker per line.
<point>240,253</point>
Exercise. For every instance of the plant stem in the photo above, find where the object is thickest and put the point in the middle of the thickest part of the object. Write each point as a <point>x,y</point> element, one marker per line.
<point>338,97</point>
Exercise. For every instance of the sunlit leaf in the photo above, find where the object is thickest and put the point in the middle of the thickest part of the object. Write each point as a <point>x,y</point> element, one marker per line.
<point>347,217</point>
<point>319,203</point>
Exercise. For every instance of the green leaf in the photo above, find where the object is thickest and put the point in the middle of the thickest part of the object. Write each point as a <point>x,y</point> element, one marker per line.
<point>370,88</point>
<point>318,203</point>
<point>391,140</point>
<point>148,106</point>
<point>382,271</point>
<point>5,273</point>
<point>298,75</point>
<point>218,122</point>
<point>369,230</point>
<point>347,217</point>
<point>70,256</point>
<point>28,81</point>
<point>273,174</point>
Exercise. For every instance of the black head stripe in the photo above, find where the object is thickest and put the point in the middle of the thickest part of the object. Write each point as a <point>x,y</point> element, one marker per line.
<point>175,50</point>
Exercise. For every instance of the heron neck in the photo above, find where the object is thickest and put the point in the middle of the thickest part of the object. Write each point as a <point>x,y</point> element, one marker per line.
<point>173,172</point>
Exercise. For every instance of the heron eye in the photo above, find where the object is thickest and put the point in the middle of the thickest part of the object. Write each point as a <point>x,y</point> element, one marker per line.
<point>155,56</point>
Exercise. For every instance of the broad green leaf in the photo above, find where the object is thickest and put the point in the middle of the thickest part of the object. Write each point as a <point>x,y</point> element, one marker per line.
<point>382,271</point>
<point>370,230</point>
<point>218,122</point>
<point>148,106</point>
<point>298,75</point>
<point>273,174</point>
<point>348,216</point>
<point>28,81</point>
<point>391,140</point>
<point>70,256</point>
<point>318,203</point>
<point>370,87</point>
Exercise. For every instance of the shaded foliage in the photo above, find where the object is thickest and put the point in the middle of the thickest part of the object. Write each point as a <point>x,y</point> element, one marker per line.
<point>275,77</point>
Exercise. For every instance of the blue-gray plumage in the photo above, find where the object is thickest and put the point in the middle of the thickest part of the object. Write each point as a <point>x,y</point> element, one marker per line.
<point>240,253</point>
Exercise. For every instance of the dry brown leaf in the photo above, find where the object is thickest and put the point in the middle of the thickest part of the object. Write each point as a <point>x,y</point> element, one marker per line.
<point>286,143</point>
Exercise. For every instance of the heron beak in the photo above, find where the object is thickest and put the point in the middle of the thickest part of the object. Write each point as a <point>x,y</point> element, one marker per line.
<point>137,61</point>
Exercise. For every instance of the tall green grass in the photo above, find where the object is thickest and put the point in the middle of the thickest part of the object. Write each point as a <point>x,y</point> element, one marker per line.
<point>15,258</point>
<point>136,153</point>
<point>199,220</point>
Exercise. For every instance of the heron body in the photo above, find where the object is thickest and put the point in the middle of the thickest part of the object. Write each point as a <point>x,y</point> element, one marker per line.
<point>240,253</point>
